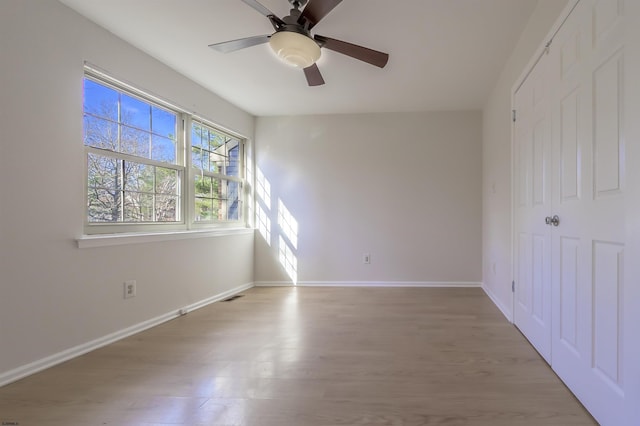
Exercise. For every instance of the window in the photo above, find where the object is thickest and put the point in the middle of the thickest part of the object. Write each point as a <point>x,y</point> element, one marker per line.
<point>215,157</point>
<point>132,172</point>
<point>136,167</point>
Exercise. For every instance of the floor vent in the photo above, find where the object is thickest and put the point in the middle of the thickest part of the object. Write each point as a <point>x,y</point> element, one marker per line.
<point>232,298</point>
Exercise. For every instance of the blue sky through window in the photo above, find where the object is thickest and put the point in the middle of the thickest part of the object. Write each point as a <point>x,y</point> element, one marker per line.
<point>146,130</point>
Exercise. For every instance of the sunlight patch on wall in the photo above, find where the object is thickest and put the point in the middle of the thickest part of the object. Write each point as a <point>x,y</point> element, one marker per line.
<point>263,188</point>
<point>288,241</point>
<point>263,205</point>
<point>288,224</point>
<point>288,260</point>
<point>263,223</point>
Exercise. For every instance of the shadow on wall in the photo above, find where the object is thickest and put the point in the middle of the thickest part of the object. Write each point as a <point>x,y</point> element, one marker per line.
<point>287,230</point>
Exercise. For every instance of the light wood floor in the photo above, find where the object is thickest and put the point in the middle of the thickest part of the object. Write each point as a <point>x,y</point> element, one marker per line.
<point>309,356</point>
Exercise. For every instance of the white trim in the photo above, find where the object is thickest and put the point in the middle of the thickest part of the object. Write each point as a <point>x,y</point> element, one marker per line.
<point>508,314</point>
<point>564,15</point>
<point>60,357</point>
<point>104,240</point>
<point>367,284</point>
<point>221,296</point>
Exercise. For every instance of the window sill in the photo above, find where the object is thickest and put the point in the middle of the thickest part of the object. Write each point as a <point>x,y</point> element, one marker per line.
<point>105,240</point>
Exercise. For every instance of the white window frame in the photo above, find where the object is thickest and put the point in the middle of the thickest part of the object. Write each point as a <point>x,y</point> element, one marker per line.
<point>186,173</point>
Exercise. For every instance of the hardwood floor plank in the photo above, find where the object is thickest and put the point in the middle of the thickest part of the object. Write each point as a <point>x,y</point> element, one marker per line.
<point>309,357</point>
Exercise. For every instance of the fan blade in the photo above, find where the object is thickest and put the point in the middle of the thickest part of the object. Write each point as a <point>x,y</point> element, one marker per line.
<point>316,10</point>
<point>233,45</point>
<point>373,57</point>
<point>259,7</point>
<point>314,78</point>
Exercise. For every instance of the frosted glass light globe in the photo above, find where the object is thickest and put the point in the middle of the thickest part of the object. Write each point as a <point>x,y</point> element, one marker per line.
<point>295,49</point>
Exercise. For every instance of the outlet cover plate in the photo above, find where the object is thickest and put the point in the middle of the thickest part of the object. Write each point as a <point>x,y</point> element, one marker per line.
<point>129,289</point>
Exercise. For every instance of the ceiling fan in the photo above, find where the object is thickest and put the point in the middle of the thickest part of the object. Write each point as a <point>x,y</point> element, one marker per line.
<point>293,43</point>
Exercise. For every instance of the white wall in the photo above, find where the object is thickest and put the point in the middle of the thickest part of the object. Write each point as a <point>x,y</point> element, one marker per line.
<point>55,296</point>
<point>496,157</point>
<point>404,187</point>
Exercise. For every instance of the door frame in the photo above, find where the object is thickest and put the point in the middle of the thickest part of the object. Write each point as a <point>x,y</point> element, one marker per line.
<point>540,51</point>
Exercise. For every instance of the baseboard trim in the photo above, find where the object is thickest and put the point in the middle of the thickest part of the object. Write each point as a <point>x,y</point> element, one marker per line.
<point>60,357</point>
<point>506,312</point>
<point>367,284</point>
<point>216,298</point>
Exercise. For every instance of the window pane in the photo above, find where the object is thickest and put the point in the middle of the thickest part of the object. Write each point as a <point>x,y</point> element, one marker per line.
<point>135,112</point>
<point>100,100</point>
<point>233,197</point>
<point>220,209</point>
<point>134,142</point>
<point>233,166</point>
<point>103,205</point>
<point>216,162</point>
<point>166,181</point>
<point>196,135</point>
<point>204,209</point>
<point>138,177</point>
<point>203,186</point>
<point>163,149</point>
<point>217,199</point>
<point>216,188</point>
<point>100,133</point>
<point>216,140</point>
<point>204,135</point>
<point>163,123</point>
<point>205,159</point>
<point>166,208</point>
<point>196,158</point>
<point>138,207</point>
<point>102,172</point>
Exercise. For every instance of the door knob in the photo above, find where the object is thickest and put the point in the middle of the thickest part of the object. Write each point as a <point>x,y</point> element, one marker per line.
<point>555,220</point>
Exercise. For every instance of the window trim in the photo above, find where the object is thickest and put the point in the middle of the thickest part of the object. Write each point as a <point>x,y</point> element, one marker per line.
<point>186,227</point>
<point>117,239</point>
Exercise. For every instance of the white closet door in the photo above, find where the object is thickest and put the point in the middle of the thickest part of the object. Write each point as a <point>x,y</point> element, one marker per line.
<point>532,154</point>
<point>588,181</point>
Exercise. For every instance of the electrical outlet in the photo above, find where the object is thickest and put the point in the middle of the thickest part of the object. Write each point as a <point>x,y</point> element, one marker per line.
<point>129,289</point>
<point>366,258</point>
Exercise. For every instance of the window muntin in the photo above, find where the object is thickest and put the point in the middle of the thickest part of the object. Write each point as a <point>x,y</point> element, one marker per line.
<point>135,164</point>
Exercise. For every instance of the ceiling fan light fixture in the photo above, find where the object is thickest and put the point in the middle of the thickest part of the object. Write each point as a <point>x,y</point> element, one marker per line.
<point>295,49</point>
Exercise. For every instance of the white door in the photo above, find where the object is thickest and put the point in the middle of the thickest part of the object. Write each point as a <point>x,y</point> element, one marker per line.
<point>588,182</point>
<point>583,336</point>
<point>532,149</point>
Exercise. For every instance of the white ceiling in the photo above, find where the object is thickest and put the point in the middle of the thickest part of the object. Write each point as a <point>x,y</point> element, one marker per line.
<point>444,54</point>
